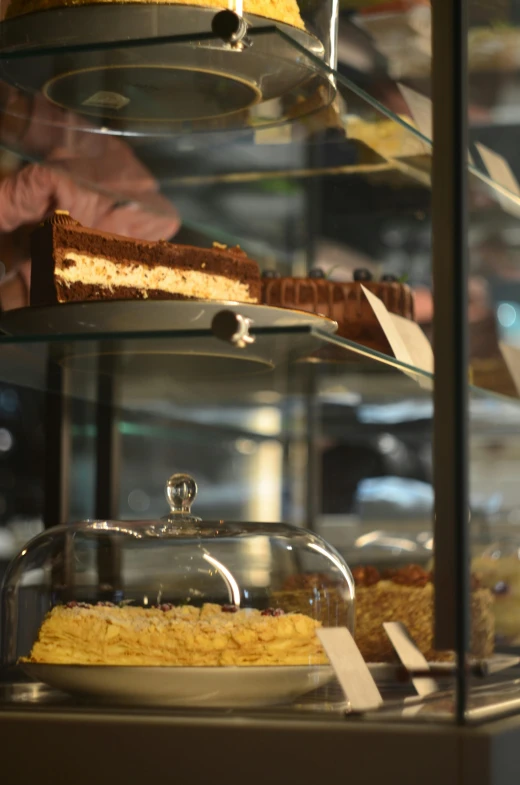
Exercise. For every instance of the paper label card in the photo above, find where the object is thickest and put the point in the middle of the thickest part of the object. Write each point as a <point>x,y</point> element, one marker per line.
<point>411,657</point>
<point>351,670</point>
<point>387,325</point>
<point>417,344</point>
<point>500,172</point>
<point>408,342</point>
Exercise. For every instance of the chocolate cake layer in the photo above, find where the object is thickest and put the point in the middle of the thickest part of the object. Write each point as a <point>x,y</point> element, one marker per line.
<point>89,293</point>
<point>73,263</point>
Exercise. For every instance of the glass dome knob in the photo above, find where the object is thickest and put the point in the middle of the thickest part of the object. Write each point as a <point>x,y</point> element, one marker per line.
<point>181,490</point>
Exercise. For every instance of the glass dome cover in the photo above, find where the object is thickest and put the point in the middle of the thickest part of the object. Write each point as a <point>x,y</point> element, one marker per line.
<point>178,567</point>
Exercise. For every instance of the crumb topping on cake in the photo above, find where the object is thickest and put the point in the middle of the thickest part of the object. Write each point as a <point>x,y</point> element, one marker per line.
<point>213,635</point>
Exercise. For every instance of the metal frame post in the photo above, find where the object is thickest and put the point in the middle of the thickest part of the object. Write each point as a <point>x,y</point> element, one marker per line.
<point>57,445</point>
<point>450,280</point>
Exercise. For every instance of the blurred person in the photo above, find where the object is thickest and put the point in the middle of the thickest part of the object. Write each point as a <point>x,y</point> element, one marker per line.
<point>75,158</point>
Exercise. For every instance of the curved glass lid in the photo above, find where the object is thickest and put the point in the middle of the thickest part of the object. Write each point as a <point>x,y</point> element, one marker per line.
<point>174,562</point>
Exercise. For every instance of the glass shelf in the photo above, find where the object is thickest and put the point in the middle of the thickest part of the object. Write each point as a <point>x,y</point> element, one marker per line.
<point>157,366</point>
<point>300,131</point>
<point>294,137</point>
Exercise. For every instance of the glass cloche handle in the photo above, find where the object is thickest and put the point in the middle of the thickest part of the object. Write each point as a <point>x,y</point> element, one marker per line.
<point>181,490</point>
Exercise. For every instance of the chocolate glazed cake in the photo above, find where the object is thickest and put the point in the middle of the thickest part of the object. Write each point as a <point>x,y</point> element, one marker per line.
<point>342,301</point>
<point>74,264</point>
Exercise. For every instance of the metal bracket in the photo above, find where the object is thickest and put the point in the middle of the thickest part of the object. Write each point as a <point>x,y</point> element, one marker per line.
<point>233,328</point>
<point>231,28</point>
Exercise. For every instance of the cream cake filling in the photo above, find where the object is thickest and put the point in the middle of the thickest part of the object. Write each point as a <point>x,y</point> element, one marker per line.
<point>98,271</point>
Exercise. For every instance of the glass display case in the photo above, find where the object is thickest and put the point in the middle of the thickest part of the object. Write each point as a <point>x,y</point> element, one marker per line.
<point>220,596</point>
<point>320,426</point>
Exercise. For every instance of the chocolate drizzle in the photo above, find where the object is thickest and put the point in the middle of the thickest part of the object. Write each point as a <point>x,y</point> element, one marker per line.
<point>321,296</point>
<point>60,218</point>
<point>344,302</point>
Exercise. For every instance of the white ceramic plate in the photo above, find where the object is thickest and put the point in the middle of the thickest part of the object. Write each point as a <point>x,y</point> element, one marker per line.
<point>205,687</point>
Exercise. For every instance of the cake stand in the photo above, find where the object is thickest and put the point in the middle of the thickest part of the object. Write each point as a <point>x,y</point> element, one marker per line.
<point>148,67</point>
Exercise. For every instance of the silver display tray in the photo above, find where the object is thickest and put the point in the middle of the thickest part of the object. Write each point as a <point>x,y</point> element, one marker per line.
<point>148,316</point>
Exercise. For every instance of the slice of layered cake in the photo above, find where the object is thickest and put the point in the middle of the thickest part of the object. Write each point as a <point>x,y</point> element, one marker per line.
<point>214,635</point>
<point>71,263</point>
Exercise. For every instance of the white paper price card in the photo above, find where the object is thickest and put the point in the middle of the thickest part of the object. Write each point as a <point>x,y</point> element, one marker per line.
<point>417,344</point>
<point>411,657</point>
<point>408,342</point>
<point>387,325</point>
<point>500,172</point>
<point>350,668</point>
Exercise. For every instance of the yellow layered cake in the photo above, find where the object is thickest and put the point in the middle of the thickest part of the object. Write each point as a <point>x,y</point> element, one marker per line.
<point>104,634</point>
<point>285,11</point>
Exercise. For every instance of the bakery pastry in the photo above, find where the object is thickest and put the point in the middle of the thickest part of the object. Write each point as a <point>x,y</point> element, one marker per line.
<point>498,569</point>
<point>317,596</point>
<point>342,301</point>
<point>406,595</point>
<point>107,634</point>
<point>73,263</point>
<point>285,11</point>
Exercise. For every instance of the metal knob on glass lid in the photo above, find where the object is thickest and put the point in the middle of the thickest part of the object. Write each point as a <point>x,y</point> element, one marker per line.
<point>181,490</point>
<point>170,608</point>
